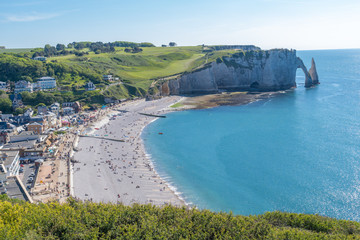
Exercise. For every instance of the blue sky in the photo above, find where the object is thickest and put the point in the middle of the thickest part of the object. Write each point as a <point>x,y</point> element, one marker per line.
<point>299,24</point>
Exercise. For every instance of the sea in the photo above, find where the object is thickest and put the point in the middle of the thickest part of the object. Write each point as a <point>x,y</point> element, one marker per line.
<point>298,151</point>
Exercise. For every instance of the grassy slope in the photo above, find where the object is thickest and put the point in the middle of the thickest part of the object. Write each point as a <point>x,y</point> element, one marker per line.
<point>137,70</point>
<point>152,63</point>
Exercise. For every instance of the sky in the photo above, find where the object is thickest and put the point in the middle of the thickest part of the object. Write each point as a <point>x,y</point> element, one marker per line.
<point>296,24</point>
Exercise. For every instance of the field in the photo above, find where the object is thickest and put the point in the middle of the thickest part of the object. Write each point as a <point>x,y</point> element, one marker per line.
<point>151,63</point>
<point>16,50</point>
<point>137,71</point>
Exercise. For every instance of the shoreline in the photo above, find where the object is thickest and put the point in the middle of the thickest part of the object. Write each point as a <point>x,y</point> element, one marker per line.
<point>157,189</point>
<point>130,160</point>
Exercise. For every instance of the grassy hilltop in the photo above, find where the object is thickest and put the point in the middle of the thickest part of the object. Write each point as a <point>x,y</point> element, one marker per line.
<point>138,67</point>
<point>77,220</point>
<point>137,71</point>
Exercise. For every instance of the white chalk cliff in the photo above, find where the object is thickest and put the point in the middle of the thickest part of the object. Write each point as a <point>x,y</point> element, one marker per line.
<point>250,70</point>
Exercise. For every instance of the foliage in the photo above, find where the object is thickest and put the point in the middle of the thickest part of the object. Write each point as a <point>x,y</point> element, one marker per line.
<point>75,65</point>
<point>59,132</point>
<point>77,220</point>
<point>5,103</point>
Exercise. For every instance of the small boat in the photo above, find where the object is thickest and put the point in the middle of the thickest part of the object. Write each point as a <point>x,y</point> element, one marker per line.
<point>160,133</point>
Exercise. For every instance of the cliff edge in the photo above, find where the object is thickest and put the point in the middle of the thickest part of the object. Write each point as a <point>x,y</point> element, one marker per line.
<point>269,70</point>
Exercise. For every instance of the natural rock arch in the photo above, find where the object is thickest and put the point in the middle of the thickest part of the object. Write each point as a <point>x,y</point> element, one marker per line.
<point>311,76</point>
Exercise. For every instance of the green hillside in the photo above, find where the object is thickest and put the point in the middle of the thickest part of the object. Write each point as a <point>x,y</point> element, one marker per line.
<point>77,220</point>
<point>137,68</point>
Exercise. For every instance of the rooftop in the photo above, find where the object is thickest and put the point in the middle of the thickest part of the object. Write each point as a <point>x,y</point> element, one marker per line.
<point>23,144</point>
<point>7,157</point>
<point>46,78</point>
<point>14,189</point>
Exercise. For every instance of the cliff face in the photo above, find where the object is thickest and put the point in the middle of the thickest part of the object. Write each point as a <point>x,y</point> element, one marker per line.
<point>255,70</point>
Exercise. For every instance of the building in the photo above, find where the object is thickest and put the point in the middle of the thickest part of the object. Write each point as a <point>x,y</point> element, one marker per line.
<point>108,78</point>
<point>5,136</point>
<point>42,110</point>
<point>90,86</point>
<point>68,111</point>
<point>46,83</point>
<point>4,86</point>
<point>29,112</point>
<point>40,58</point>
<point>14,188</point>
<point>23,86</point>
<point>10,162</point>
<point>26,136</point>
<point>75,105</point>
<point>36,127</point>
<point>53,121</point>
<point>55,108</point>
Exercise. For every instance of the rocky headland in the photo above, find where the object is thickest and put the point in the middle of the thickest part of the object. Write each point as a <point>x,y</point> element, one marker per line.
<point>254,70</point>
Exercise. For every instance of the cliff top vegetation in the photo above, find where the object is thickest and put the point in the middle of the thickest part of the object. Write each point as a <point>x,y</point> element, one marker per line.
<point>78,220</point>
<point>136,65</point>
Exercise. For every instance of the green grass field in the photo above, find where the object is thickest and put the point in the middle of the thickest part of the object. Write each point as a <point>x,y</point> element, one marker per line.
<point>16,50</point>
<point>138,71</point>
<point>151,63</point>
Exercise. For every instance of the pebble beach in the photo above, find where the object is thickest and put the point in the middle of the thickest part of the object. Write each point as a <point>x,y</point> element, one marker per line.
<point>112,171</point>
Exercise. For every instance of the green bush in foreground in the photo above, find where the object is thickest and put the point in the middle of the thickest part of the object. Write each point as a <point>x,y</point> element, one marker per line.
<point>78,220</point>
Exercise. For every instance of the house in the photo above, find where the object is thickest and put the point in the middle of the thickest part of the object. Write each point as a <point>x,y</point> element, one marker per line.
<point>108,78</point>
<point>75,105</point>
<point>46,83</point>
<point>29,112</point>
<point>40,58</point>
<point>42,110</point>
<point>55,108</point>
<point>53,120</point>
<point>39,119</point>
<point>68,111</point>
<point>6,116</point>
<point>23,86</point>
<point>164,45</point>
<point>4,86</point>
<point>16,101</point>
<point>90,86</point>
<point>9,162</point>
<point>5,135</point>
<point>36,127</point>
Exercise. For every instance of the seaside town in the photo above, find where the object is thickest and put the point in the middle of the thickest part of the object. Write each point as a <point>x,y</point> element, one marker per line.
<point>40,156</point>
<point>37,150</point>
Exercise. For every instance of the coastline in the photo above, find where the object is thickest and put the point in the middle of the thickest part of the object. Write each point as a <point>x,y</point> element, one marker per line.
<point>123,172</point>
<point>134,163</point>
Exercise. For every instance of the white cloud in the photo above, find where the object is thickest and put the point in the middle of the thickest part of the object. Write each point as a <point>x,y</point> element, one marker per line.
<point>30,18</point>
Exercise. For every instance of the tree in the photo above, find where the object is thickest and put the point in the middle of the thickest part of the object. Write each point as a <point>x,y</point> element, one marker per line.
<point>19,111</point>
<point>5,103</point>
<point>172,44</point>
<point>60,47</point>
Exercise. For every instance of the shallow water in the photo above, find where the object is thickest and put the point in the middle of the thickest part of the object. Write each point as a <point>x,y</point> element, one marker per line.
<point>296,152</point>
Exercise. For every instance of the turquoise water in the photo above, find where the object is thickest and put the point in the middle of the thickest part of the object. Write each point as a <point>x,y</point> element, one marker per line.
<point>297,152</point>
